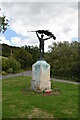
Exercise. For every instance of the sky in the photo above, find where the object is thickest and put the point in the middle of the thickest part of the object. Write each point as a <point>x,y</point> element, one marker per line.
<point>60,18</point>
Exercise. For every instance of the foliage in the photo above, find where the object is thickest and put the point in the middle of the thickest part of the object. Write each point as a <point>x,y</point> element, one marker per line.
<point>24,57</point>
<point>19,105</point>
<point>34,51</point>
<point>3,23</point>
<point>10,70</point>
<point>20,54</point>
<point>4,73</point>
<point>10,65</point>
<point>6,49</point>
<point>63,58</point>
<point>0,50</point>
<point>0,64</point>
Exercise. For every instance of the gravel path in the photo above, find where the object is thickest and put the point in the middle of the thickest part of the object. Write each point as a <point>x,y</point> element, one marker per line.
<point>29,73</point>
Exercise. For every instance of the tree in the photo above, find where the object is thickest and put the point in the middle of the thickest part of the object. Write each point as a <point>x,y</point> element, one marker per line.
<point>6,50</point>
<point>24,57</point>
<point>63,58</point>
<point>3,23</point>
<point>34,51</point>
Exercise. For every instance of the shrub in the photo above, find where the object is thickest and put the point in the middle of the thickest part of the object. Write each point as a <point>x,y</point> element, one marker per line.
<point>68,74</point>
<point>10,65</point>
<point>10,70</point>
<point>4,73</point>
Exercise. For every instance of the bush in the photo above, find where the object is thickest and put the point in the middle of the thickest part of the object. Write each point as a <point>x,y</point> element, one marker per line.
<point>68,74</point>
<point>10,65</point>
<point>10,70</point>
<point>75,71</point>
<point>4,73</point>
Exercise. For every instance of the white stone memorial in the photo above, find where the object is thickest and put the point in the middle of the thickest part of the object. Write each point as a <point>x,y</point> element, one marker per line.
<point>41,76</point>
<point>41,69</point>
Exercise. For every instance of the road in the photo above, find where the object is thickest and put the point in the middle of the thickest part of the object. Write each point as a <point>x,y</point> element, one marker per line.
<point>29,73</point>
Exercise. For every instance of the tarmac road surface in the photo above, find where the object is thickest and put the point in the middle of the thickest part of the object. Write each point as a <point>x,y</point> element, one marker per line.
<point>29,73</point>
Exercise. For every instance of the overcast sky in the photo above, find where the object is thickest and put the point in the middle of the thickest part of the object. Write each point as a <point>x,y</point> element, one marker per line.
<point>61,18</point>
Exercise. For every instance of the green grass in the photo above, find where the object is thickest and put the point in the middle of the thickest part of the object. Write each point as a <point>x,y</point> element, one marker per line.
<point>0,99</point>
<point>15,104</point>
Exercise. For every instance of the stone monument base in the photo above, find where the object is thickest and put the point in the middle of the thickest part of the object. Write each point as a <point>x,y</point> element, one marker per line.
<point>41,76</point>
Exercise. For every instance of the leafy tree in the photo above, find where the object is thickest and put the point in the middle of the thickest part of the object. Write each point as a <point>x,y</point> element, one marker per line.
<point>34,51</point>
<point>24,57</point>
<point>3,23</point>
<point>63,57</point>
<point>20,54</point>
<point>6,50</point>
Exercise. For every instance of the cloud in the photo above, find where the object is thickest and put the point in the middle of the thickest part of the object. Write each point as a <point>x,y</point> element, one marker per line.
<point>19,41</point>
<point>59,18</point>
<point>3,40</point>
<point>39,1</point>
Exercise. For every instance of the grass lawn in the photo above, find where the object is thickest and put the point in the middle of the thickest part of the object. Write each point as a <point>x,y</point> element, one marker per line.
<point>0,99</point>
<point>15,104</point>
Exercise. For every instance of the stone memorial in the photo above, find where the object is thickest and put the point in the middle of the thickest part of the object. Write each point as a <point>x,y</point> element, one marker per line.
<point>41,69</point>
<point>41,75</point>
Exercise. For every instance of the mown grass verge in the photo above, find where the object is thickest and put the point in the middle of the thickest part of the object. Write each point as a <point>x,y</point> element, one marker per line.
<point>15,104</point>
